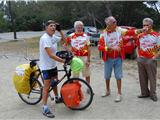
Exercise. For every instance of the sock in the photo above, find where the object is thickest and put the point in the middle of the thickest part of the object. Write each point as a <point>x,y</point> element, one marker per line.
<point>45,107</point>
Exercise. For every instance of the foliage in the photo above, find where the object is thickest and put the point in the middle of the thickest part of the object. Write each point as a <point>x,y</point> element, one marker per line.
<point>32,15</point>
<point>4,26</point>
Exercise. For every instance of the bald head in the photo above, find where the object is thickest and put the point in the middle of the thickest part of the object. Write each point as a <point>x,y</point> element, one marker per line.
<point>111,23</point>
<point>110,20</point>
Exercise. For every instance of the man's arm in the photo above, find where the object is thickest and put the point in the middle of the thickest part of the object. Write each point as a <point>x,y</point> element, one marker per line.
<point>63,37</point>
<point>101,45</point>
<point>66,44</point>
<point>89,51</point>
<point>53,56</point>
<point>157,55</point>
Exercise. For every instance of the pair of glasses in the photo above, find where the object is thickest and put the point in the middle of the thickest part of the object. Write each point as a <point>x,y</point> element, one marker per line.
<point>114,22</point>
<point>145,25</point>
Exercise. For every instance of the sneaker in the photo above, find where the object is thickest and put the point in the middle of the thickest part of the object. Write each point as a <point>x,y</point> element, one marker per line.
<point>118,98</point>
<point>47,113</point>
<point>58,100</point>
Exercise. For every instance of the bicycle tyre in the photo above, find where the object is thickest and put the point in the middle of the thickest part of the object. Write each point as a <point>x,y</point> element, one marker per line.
<point>88,87</point>
<point>36,90</point>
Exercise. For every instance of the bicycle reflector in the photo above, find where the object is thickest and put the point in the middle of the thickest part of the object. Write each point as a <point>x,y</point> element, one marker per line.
<point>76,65</point>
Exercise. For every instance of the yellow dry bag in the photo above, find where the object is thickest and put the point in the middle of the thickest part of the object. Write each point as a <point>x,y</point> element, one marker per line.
<point>21,78</point>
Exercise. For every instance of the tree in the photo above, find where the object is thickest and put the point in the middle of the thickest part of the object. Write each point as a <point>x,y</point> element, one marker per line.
<point>32,15</point>
<point>12,18</point>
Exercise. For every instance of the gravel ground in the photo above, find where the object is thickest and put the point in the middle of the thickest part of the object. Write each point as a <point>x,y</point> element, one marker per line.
<point>11,107</point>
<point>101,108</point>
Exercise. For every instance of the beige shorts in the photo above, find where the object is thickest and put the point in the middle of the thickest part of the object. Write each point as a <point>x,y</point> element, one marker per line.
<point>86,69</point>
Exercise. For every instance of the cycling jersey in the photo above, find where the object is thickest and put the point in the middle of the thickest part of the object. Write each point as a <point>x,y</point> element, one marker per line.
<point>148,44</point>
<point>79,43</point>
<point>112,40</point>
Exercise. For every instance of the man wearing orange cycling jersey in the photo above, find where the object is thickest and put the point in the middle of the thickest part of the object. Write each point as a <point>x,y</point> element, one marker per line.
<point>148,46</point>
<point>80,46</point>
<point>111,46</point>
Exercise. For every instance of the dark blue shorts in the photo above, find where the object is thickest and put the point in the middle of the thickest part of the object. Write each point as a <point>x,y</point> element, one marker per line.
<point>48,74</point>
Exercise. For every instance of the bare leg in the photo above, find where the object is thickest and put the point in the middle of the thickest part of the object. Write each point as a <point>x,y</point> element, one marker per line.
<point>46,110</point>
<point>107,87</point>
<point>119,83</point>
<point>55,90</point>
<point>45,91</point>
<point>107,93</point>
<point>88,79</point>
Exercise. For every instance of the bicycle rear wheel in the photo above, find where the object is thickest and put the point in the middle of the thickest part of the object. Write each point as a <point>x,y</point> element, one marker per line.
<point>85,91</point>
<point>35,94</point>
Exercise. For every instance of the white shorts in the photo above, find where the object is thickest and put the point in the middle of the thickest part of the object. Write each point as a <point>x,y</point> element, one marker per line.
<point>86,69</point>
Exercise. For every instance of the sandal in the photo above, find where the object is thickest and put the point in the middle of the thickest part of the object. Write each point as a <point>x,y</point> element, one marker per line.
<point>106,94</point>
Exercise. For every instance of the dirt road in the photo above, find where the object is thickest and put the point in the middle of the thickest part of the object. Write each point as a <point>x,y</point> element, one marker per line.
<point>11,107</point>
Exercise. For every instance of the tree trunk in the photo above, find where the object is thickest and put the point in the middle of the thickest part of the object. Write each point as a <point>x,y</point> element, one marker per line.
<point>94,20</point>
<point>12,20</point>
<point>107,6</point>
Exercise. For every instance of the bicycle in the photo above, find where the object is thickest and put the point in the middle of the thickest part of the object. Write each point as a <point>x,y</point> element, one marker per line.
<point>35,94</point>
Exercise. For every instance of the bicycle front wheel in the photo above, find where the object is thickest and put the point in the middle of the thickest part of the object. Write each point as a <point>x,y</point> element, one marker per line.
<point>35,94</point>
<point>85,94</point>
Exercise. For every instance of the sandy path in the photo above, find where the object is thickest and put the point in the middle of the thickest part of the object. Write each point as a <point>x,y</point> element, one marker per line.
<point>11,107</point>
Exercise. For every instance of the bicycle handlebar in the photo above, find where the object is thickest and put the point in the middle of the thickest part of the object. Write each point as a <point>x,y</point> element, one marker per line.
<point>33,60</point>
<point>66,55</point>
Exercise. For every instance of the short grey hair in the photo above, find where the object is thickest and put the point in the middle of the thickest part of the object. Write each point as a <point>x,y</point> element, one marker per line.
<point>78,23</point>
<point>108,19</point>
<point>148,20</point>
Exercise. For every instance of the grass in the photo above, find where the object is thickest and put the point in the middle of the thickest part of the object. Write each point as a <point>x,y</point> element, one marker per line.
<point>26,47</point>
<point>30,48</point>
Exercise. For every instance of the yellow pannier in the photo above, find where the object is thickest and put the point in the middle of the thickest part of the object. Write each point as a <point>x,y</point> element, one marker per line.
<point>21,78</point>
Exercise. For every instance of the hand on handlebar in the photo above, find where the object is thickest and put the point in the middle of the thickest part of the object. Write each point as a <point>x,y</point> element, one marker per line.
<point>67,61</point>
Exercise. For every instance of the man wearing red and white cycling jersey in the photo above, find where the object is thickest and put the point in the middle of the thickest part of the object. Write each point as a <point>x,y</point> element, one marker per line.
<point>148,44</point>
<point>111,46</point>
<point>80,46</point>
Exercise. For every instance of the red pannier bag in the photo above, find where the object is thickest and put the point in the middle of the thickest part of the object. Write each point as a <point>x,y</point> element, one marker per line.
<point>72,94</point>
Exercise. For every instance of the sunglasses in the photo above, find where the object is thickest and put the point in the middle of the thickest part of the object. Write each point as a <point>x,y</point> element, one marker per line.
<point>114,22</point>
<point>145,25</point>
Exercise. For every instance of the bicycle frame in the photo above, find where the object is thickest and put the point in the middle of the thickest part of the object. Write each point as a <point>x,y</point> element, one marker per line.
<point>37,82</point>
<point>66,74</point>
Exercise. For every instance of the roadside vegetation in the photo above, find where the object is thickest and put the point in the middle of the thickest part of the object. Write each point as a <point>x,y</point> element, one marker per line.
<point>32,15</point>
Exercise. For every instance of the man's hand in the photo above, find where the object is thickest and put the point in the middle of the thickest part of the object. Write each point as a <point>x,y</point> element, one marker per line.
<point>139,31</point>
<point>58,27</point>
<point>156,56</point>
<point>116,48</point>
<point>106,48</point>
